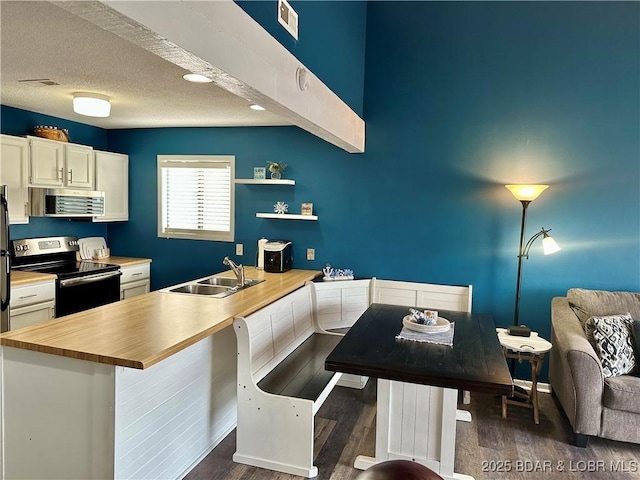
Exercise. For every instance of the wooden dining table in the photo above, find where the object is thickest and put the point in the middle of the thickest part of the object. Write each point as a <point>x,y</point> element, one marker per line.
<point>418,382</point>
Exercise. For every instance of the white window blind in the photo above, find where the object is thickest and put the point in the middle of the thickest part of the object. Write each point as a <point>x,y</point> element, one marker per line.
<point>196,197</point>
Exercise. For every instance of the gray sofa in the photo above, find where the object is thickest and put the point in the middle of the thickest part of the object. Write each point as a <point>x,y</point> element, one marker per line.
<point>595,405</point>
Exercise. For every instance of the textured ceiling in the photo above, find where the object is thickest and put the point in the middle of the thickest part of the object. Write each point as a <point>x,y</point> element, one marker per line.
<point>41,41</point>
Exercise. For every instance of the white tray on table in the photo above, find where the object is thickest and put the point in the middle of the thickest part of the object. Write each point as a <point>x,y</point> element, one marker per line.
<point>442,325</point>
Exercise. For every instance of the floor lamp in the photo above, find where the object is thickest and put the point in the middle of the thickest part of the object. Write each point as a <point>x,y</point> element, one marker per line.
<point>526,194</point>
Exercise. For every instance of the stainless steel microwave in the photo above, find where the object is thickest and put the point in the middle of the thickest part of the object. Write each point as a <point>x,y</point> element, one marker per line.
<point>64,202</point>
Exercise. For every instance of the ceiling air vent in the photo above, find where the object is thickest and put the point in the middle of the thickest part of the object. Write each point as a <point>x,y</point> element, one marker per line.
<point>39,82</point>
<point>288,18</point>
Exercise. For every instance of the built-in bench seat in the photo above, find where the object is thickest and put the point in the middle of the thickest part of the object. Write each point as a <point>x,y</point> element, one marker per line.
<point>282,384</point>
<point>302,373</point>
<point>282,349</point>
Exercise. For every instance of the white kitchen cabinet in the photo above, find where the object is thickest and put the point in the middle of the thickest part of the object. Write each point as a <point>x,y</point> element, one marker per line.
<point>32,303</point>
<point>14,172</point>
<point>135,280</point>
<point>79,166</point>
<point>26,316</point>
<point>112,177</point>
<point>60,164</point>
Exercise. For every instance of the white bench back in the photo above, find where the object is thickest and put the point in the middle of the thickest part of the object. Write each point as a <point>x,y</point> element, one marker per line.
<point>277,330</point>
<point>423,295</point>
<point>340,303</point>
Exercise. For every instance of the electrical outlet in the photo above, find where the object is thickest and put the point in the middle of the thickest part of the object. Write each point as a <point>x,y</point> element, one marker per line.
<point>311,254</point>
<point>239,249</point>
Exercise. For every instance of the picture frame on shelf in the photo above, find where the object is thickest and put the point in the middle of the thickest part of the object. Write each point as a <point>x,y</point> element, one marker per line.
<point>259,173</point>
<point>306,209</point>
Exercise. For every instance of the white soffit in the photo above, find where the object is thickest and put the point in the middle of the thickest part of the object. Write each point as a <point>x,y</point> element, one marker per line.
<point>47,53</point>
<point>219,40</point>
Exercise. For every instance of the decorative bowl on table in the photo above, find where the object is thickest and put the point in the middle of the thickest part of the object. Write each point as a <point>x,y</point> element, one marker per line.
<point>441,325</point>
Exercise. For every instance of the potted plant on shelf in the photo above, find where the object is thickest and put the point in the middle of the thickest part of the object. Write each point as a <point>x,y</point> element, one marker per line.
<point>276,169</point>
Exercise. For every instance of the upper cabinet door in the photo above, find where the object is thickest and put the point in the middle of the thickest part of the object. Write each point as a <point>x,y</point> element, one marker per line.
<point>14,172</point>
<point>59,164</point>
<point>79,165</point>
<point>47,163</point>
<point>112,177</point>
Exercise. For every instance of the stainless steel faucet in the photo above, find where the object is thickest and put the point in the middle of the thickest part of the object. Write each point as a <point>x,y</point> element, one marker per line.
<point>238,270</point>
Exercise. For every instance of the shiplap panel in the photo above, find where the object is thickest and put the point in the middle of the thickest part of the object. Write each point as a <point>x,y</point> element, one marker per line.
<point>340,303</point>
<point>169,416</point>
<point>302,312</point>
<point>262,338</point>
<point>395,296</point>
<point>282,326</point>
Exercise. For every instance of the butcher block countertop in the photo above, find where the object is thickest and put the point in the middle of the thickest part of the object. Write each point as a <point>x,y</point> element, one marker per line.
<point>122,261</point>
<point>19,278</point>
<point>144,330</point>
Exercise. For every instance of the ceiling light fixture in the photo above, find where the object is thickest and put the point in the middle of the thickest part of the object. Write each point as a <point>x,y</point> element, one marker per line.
<point>91,104</point>
<point>196,78</point>
<point>255,106</point>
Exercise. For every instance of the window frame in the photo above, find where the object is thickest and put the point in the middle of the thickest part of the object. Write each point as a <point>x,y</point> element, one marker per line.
<point>197,161</point>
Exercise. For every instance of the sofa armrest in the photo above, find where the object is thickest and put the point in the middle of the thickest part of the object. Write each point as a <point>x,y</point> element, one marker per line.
<point>575,371</point>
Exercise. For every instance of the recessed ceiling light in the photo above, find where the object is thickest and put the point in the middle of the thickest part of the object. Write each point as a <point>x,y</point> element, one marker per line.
<point>91,104</point>
<point>255,106</point>
<point>196,78</point>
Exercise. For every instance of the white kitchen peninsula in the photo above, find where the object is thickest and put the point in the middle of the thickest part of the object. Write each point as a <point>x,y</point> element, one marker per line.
<point>141,388</point>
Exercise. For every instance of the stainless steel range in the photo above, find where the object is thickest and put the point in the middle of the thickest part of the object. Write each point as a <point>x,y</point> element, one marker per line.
<point>79,285</point>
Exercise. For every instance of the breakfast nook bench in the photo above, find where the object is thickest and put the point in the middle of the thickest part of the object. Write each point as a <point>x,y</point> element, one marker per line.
<point>282,383</point>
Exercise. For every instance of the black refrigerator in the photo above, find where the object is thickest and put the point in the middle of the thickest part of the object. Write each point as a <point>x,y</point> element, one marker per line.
<point>5,261</point>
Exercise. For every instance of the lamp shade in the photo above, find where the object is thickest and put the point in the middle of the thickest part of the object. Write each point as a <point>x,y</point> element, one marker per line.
<point>549,245</point>
<point>91,104</point>
<point>526,192</point>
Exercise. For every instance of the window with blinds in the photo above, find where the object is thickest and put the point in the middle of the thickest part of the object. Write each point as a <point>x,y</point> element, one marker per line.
<point>196,197</point>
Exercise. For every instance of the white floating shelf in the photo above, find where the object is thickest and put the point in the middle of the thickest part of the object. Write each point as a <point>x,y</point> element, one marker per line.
<point>287,216</point>
<point>265,181</point>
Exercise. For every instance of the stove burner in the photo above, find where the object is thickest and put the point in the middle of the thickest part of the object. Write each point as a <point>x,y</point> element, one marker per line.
<point>69,269</point>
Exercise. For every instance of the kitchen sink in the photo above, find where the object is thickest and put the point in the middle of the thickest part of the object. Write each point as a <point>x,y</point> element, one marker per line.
<point>216,287</point>
<point>228,282</point>
<point>198,289</point>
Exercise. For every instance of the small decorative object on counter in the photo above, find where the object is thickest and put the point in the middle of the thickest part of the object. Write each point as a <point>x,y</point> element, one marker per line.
<point>259,173</point>
<point>276,169</point>
<point>306,209</point>
<point>52,133</point>
<point>281,208</point>
<point>331,274</point>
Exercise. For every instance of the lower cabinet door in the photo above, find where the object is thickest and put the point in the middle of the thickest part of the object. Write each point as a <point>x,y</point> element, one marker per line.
<point>26,316</point>
<point>131,289</point>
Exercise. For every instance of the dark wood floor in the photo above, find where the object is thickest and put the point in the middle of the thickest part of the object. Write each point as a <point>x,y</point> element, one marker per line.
<point>345,428</point>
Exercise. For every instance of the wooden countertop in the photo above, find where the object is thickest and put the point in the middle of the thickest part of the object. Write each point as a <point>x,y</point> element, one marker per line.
<point>19,278</point>
<point>144,330</point>
<point>122,261</point>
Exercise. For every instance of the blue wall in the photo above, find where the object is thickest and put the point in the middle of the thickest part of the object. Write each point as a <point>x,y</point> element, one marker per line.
<point>459,99</point>
<point>14,121</point>
<point>331,41</point>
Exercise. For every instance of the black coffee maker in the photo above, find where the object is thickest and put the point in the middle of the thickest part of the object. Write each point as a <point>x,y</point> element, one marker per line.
<point>278,256</point>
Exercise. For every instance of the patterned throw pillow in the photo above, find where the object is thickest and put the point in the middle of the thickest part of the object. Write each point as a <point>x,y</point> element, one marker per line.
<point>636,339</point>
<point>613,339</point>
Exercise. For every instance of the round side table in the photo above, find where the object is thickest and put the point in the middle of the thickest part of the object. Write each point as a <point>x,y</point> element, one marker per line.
<point>531,349</point>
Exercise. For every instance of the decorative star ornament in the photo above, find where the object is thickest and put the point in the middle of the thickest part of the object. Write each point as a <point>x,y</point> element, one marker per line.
<point>281,208</point>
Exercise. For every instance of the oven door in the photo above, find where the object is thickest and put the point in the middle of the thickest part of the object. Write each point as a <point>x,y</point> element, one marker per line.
<point>81,293</point>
